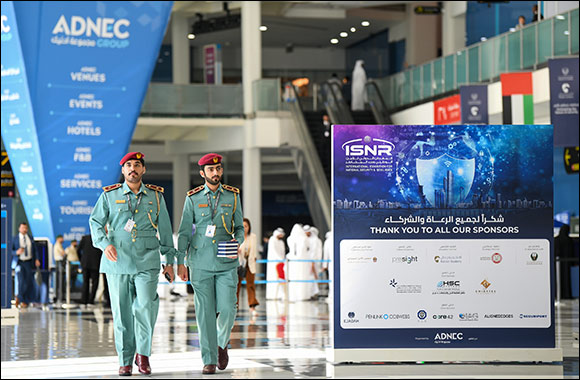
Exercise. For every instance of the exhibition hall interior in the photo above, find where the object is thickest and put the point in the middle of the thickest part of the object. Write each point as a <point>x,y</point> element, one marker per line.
<point>290,189</point>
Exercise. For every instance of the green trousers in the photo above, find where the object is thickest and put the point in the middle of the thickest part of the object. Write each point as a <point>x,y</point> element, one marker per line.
<point>134,303</point>
<point>215,309</point>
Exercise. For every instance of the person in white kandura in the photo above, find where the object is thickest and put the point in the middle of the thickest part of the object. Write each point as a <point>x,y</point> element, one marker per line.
<point>275,270</point>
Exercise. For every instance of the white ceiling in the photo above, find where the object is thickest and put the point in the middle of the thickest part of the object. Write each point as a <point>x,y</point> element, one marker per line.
<point>303,24</point>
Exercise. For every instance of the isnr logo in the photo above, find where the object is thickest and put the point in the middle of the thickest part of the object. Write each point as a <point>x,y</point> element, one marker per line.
<point>368,146</point>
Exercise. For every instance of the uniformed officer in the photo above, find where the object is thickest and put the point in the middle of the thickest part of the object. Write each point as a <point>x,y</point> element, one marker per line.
<point>138,229</point>
<point>214,213</point>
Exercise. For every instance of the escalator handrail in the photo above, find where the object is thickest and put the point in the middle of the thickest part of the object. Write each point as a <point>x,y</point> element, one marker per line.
<point>384,114</point>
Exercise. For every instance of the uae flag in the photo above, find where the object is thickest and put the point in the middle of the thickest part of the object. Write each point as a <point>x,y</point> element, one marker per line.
<point>518,98</point>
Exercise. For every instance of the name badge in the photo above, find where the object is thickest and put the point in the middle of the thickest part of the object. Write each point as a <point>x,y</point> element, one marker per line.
<point>210,231</point>
<point>129,226</point>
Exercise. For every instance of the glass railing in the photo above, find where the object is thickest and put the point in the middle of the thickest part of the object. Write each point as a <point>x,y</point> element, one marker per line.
<point>523,49</point>
<point>267,95</point>
<point>193,100</point>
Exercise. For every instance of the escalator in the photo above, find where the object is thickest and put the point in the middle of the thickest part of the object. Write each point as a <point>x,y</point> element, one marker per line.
<point>321,142</point>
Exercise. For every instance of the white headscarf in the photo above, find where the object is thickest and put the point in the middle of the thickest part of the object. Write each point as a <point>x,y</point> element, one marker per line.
<point>278,232</point>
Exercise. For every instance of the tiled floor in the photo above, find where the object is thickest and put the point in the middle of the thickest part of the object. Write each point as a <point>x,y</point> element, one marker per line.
<point>283,341</point>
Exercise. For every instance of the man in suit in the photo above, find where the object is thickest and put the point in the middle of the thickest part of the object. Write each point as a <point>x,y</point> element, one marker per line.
<point>90,263</point>
<point>24,248</point>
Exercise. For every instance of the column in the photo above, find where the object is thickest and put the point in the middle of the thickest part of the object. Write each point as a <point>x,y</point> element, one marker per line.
<point>252,189</point>
<point>453,26</point>
<point>251,50</point>
<point>181,185</point>
<point>251,70</point>
<point>180,49</point>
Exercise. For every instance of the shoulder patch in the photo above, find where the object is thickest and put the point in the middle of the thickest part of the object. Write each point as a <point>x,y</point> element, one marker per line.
<point>231,188</point>
<point>111,187</point>
<point>155,187</point>
<point>194,191</point>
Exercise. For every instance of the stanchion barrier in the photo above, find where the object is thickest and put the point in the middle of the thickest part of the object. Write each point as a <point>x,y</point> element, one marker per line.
<point>68,304</point>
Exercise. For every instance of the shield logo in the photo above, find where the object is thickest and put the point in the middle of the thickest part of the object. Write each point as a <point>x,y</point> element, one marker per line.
<point>445,180</point>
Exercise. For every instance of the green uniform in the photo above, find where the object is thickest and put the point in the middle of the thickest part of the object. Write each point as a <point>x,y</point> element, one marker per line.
<point>214,279</point>
<point>133,278</point>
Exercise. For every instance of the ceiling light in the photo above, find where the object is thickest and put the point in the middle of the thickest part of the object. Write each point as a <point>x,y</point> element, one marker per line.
<point>353,29</point>
<point>263,28</point>
<point>334,41</point>
<point>343,34</point>
<point>365,23</point>
<point>483,39</point>
<point>191,36</point>
<point>561,17</point>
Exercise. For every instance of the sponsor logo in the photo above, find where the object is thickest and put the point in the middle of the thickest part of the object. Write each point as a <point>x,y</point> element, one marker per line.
<point>374,259</point>
<point>498,316</point>
<point>372,147</point>
<point>447,337</point>
<point>496,258</point>
<point>351,318</point>
<point>421,314</point>
<point>387,316</point>
<point>485,285</point>
<point>534,256</point>
<point>469,317</point>
<point>442,316</point>
<point>405,288</point>
<point>448,259</point>
<point>533,316</point>
<point>100,27</point>
<point>448,287</point>
<point>405,259</point>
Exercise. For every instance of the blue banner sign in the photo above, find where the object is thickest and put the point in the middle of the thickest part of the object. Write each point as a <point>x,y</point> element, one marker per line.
<point>443,236</point>
<point>19,131</point>
<point>474,104</point>
<point>564,100</point>
<point>92,63</point>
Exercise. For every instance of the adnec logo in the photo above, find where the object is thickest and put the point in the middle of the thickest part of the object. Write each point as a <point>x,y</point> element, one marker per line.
<point>368,146</point>
<point>6,35</point>
<point>100,27</point>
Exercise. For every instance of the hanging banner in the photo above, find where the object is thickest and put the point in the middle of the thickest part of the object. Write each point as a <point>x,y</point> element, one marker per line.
<point>517,98</point>
<point>443,236</point>
<point>19,130</point>
<point>564,100</point>
<point>474,104</point>
<point>92,63</point>
<point>447,110</point>
<point>212,64</point>
<point>7,177</point>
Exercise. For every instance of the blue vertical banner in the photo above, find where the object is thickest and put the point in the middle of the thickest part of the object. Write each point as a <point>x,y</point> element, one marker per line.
<point>443,236</point>
<point>474,108</point>
<point>564,100</point>
<point>6,244</point>
<point>19,130</point>
<point>92,62</point>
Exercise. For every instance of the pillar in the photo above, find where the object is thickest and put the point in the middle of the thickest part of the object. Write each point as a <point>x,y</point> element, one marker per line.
<point>180,49</point>
<point>251,70</point>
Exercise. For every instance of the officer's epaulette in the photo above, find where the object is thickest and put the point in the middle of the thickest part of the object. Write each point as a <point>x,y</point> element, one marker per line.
<point>155,187</point>
<point>231,188</point>
<point>112,187</point>
<point>194,191</point>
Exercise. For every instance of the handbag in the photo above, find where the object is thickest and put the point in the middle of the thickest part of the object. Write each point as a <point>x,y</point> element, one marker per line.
<point>38,277</point>
<point>242,270</point>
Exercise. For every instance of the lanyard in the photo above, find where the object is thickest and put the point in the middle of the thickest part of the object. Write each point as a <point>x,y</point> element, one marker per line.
<point>214,207</point>
<point>136,207</point>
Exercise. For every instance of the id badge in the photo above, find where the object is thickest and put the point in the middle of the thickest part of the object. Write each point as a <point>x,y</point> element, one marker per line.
<point>210,231</point>
<point>129,226</point>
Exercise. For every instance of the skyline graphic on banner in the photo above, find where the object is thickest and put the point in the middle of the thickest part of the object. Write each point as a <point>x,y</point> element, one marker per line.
<point>86,103</point>
<point>443,167</point>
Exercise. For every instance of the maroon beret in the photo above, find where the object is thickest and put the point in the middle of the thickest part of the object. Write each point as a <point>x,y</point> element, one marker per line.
<point>132,156</point>
<point>210,159</point>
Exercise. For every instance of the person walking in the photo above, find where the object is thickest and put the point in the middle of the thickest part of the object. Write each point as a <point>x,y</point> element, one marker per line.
<point>24,248</point>
<point>90,260</point>
<point>275,275</point>
<point>215,211</point>
<point>247,258</point>
<point>135,214</point>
